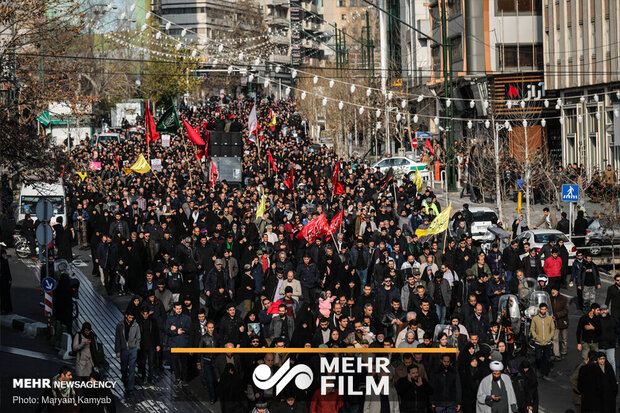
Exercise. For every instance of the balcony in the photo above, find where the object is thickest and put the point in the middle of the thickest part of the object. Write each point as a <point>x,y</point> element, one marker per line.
<point>281,59</point>
<point>277,3</point>
<point>279,39</point>
<point>276,21</point>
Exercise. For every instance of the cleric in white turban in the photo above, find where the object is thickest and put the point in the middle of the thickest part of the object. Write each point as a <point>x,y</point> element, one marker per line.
<point>495,393</point>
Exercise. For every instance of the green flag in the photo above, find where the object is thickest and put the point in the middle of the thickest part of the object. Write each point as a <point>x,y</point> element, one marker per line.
<point>44,118</point>
<point>169,121</point>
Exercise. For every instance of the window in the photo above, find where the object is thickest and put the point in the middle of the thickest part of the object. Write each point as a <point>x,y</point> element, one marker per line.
<point>545,238</point>
<point>521,6</point>
<point>29,204</point>
<point>485,216</point>
<point>523,57</point>
<point>341,3</point>
<point>343,17</point>
<point>353,3</point>
<point>570,124</point>
<point>592,110</point>
<point>457,48</point>
<point>436,58</point>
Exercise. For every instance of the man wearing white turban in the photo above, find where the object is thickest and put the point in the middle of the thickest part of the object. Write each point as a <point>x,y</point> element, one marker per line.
<point>495,393</point>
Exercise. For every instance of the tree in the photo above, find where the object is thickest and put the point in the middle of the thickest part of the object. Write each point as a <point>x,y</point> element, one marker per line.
<point>36,37</point>
<point>167,77</point>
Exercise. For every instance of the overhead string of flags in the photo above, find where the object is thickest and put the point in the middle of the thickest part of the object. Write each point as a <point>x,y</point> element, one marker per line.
<point>205,42</point>
<point>405,98</point>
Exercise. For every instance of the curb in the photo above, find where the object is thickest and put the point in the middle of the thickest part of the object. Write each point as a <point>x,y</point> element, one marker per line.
<point>30,327</point>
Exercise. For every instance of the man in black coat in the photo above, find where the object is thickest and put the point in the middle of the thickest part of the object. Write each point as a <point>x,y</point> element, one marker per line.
<point>597,385</point>
<point>149,344</point>
<point>414,391</point>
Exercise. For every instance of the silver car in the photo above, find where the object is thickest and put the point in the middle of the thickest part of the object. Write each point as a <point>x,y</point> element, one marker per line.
<point>537,238</point>
<point>601,236</point>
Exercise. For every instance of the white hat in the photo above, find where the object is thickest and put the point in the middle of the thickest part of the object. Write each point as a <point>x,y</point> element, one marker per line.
<point>496,366</point>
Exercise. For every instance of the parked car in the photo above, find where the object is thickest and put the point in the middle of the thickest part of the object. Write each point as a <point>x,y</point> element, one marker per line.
<point>539,237</point>
<point>484,218</point>
<point>602,234</point>
<point>403,166</point>
<point>105,138</point>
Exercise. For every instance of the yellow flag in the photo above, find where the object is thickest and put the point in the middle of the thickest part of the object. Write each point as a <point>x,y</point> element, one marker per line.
<point>439,224</point>
<point>141,166</point>
<point>260,211</point>
<point>82,175</point>
<point>417,180</point>
<point>273,121</point>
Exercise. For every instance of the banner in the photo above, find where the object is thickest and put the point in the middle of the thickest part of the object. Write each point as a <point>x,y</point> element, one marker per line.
<point>165,141</point>
<point>156,165</point>
<point>95,166</point>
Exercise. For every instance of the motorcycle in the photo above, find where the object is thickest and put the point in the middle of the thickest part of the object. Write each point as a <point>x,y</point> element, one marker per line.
<point>22,247</point>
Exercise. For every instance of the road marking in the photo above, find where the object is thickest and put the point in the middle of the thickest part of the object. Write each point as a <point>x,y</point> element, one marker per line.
<point>32,354</point>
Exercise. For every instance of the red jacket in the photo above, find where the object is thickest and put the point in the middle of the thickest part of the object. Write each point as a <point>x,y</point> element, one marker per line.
<point>330,403</point>
<point>553,267</point>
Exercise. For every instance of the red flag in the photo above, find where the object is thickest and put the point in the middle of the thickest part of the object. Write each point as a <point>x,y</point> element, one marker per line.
<point>273,164</point>
<point>290,180</point>
<point>337,187</point>
<point>116,160</point>
<point>313,229</point>
<point>200,154</point>
<point>335,223</point>
<point>213,175</point>
<point>430,147</point>
<point>149,125</point>
<point>192,134</point>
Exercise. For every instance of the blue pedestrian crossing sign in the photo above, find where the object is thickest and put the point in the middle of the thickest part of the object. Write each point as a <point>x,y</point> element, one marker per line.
<point>570,193</point>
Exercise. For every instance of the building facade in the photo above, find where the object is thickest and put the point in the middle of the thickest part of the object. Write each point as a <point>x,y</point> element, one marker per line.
<point>494,43</point>
<point>581,51</point>
<point>211,19</point>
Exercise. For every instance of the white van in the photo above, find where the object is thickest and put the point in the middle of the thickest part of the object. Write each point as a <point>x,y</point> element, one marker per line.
<point>34,191</point>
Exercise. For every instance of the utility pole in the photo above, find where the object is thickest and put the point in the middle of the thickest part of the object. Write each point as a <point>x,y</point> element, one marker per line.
<point>449,112</point>
<point>447,75</point>
<point>384,72</point>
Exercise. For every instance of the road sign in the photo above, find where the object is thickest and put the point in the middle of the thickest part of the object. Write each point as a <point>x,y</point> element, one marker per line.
<point>44,210</point>
<point>414,143</point>
<point>44,234</point>
<point>48,284</point>
<point>570,193</point>
<point>423,135</point>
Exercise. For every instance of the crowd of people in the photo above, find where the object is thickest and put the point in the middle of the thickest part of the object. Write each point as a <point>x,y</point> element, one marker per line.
<point>205,270</point>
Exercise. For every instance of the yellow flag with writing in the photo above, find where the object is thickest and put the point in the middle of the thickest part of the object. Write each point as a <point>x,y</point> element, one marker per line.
<point>260,211</point>
<point>141,166</point>
<point>417,180</point>
<point>439,224</point>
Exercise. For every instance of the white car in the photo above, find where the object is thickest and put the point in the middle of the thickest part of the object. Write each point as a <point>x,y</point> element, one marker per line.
<point>537,238</point>
<point>403,166</point>
<point>484,218</point>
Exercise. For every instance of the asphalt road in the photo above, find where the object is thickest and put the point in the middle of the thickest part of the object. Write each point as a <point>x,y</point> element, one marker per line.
<point>556,394</point>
